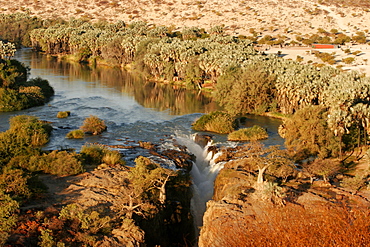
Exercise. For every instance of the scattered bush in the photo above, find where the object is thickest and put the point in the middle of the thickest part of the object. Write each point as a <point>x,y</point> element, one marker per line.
<point>63,114</point>
<point>8,215</point>
<point>218,122</point>
<point>30,129</point>
<point>307,134</point>
<point>75,134</point>
<point>326,57</point>
<point>95,154</point>
<point>14,183</point>
<point>56,163</point>
<point>356,53</point>
<point>61,163</point>
<point>248,134</point>
<point>93,125</point>
<point>325,168</point>
<point>112,157</point>
<point>348,60</point>
<point>355,183</point>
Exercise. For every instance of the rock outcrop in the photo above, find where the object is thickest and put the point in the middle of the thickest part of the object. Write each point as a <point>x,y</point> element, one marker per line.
<point>170,222</point>
<point>143,203</point>
<point>296,213</point>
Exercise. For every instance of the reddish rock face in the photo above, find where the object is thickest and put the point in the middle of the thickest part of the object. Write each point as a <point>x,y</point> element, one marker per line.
<point>310,215</point>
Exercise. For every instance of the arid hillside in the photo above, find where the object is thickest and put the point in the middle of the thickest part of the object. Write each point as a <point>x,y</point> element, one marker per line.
<point>275,16</point>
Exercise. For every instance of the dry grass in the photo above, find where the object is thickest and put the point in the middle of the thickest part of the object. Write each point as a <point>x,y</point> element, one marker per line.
<point>296,226</point>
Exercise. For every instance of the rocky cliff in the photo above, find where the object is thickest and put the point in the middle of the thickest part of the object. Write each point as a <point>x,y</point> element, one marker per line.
<point>295,213</point>
<point>146,203</point>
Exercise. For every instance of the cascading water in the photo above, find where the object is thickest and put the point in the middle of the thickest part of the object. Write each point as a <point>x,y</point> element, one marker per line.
<point>203,174</point>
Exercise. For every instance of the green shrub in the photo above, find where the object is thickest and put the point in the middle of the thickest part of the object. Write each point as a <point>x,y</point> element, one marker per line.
<point>325,168</point>
<point>8,216</point>
<point>22,98</point>
<point>348,60</point>
<point>46,239</point>
<point>16,93</point>
<point>13,73</point>
<point>355,183</point>
<point>89,221</point>
<point>308,134</point>
<point>14,183</point>
<point>245,90</point>
<point>248,134</point>
<point>34,95</point>
<point>93,125</point>
<point>61,163</point>
<point>218,122</point>
<point>92,154</point>
<point>25,135</point>
<point>95,154</point>
<point>30,130</point>
<point>63,114</point>
<point>46,90</point>
<point>75,134</point>
<point>112,157</point>
<point>56,163</point>
<point>12,100</point>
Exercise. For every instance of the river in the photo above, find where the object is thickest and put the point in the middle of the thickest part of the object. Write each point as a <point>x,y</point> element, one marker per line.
<point>133,109</point>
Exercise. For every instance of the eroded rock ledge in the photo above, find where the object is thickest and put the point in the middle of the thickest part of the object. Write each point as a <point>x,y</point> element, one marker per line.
<point>295,213</point>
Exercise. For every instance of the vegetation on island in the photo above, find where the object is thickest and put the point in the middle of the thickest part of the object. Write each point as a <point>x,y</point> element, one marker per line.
<point>16,91</point>
<point>95,154</point>
<point>93,125</point>
<point>63,114</point>
<point>254,133</point>
<point>218,122</point>
<point>75,134</point>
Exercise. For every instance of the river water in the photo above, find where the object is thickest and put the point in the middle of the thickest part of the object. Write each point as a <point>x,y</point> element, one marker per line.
<point>133,109</point>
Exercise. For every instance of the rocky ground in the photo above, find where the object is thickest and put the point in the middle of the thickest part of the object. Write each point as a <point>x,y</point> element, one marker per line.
<point>295,213</point>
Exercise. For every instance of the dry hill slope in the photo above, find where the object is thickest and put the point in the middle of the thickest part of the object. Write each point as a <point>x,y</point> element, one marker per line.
<point>302,16</point>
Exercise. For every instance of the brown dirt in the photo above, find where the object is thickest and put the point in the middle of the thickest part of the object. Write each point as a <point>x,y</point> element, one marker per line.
<point>59,191</point>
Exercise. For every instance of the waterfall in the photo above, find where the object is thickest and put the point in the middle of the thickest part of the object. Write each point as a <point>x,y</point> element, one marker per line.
<point>203,174</point>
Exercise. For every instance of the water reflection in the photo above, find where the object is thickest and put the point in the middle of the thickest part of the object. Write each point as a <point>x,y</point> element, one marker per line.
<point>148,94</point>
